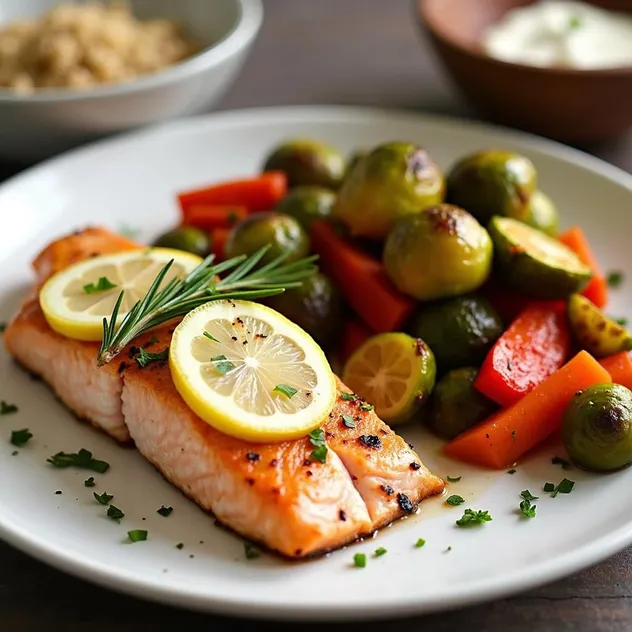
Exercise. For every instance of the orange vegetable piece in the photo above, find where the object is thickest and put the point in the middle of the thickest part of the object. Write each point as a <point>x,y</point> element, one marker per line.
<point>219,236</point>
<point>361,279</point>
<point>209,217</point>
<point>504,437</point>
<point>619,366</point>
<point>597,288</point>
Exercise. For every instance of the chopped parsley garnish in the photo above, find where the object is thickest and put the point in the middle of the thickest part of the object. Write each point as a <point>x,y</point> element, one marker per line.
<point>526,508</point>
<point>250,552</point>
<point>359,560</point>
<point>557,460</point>
<point>82,459</point>
<point>348,421</point>
<point>137,535</point>
<point>448,549</point>
<point>180,546</point>
<point>621,321</point>
<point>511,471</point>
<point>14,453</point>
<point>114,513</point>
<point>379,552</point>
<point>222,365</point>
<point>614,279</point>
<point>471,518</point>
<point>207,335</point>
<point>89,482</point>
<point>7,409</point>
<point>100,286</point>
<point>285,389</point>
<point>366,407</point>
<point>454,479</point>
<point>455,500</point>
<point>3,326</point>
<point>421,542</point>
<point>145,357</point>
<point>103,499</point>
<point>563,487</point>
<point>348,397</point>
<point>317,439</point>
<point>20,437</point>
<point>164,511</point>
<point>574,22</point>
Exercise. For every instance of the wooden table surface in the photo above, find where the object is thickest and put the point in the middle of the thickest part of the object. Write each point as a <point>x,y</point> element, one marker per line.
<point>365,52</point>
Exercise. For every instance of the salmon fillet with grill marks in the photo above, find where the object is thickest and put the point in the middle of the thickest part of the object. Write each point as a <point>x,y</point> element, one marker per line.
<point>274,494</point>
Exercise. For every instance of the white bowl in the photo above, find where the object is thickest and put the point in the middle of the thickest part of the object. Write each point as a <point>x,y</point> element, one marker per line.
<point>36,126</point>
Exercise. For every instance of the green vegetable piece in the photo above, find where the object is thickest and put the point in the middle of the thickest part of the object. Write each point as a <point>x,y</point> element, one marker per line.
<point>103,499</point>
<point>20,437</point>
<point>394,180</point>
<point>137,535</point>
<point>101,285</point>
<point>455,500</point>
<point>532,263</point>
<point>282,233</point>
<point>460,331</point>
<point>187,238</point>
<point>493,182</point>
<point>597,427</point>
<point>599,335</point>
<point>440,252</point>
<point>307,162</point>
<point>315,306</point>
<point>471,518</point>
<point>308,203</point>
<point>359,560</point>
<point>543,214</point>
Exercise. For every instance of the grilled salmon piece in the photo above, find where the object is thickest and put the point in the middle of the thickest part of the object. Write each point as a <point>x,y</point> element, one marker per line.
<point>69,367</point>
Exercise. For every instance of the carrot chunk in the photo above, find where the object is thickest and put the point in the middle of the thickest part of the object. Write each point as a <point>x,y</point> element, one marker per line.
<point>619,366</point>
<point>209,217</point>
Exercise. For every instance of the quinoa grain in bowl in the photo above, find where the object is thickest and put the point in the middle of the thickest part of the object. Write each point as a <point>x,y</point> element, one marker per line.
<point>81,46</point>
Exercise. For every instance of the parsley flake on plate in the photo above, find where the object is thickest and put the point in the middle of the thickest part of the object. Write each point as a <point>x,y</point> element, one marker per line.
<point>455,500</point>
<point>82,459</point>
<point>3,327</point>
<point>526,508</point>
<point>114,513</point>
<point>103,499</point>
<point>359,560</point>
<point>89,482</point>
<point>164,511</point>
<point>420,543</point>
<point>7,409</point>
<point>472,518</point>
<point>137,535</point>
<point>454,479</point>
<point>563,487</point>
<point>614,279</point>
<point>20,438</point>
<point>558,460</point>
<point>250,552</point>
<point>380,551</point>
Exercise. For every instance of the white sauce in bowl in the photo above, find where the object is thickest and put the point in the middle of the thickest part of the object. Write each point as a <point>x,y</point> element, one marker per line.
<point>562,33</point>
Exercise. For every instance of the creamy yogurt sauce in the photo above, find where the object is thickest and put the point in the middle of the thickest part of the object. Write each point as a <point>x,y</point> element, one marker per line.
<point>562,33</point>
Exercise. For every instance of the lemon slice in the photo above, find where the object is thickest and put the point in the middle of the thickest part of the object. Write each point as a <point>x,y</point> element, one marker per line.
<point>76,300</point>
<point>395,372</point>
<point>250,372</point>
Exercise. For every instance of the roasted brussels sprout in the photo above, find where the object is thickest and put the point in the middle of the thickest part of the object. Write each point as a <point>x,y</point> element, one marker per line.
<point>442,251</point>
<point>354,159</point>
<point>599,335</point>
<point>315,306</point>
<point>597,427</point>
<point>460,331</point>
<point>307,162</point>
<point>493,182</point>
<point>283,233</point>
<point>543,214</point>
<point>307,203</point>
<point>457,405</point>
<point>393,180</point>
<point>535,264</point>
<point>186,238</point>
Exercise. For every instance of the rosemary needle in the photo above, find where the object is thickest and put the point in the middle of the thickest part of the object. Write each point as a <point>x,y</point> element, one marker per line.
<point>181,295</point>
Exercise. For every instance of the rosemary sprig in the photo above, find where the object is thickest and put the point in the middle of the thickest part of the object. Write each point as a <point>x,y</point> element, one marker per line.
<point>179,296</point>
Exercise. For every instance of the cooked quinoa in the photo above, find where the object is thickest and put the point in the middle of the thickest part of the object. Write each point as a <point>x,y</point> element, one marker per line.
<point>80,46</point>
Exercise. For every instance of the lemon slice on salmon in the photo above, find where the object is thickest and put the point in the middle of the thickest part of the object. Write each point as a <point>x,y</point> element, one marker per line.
<point>250,372</point>
<point>76,300</point>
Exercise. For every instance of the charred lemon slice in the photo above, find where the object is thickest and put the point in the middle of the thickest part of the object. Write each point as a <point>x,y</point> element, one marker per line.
<point>76,300</point>
<point>250,372</point>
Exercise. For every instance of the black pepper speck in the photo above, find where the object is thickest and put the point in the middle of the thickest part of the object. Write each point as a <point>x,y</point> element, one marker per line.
<point>405,503</point>
<point>371,441</point>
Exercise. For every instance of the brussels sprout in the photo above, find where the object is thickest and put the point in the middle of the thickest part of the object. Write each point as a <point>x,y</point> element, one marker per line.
<point>393,180</point>
<point>440,252</point>
<point>308,203</point>
<point>493,182</point>
<point>597,427</point>
<point>543,214</point>
<point>185,238</point>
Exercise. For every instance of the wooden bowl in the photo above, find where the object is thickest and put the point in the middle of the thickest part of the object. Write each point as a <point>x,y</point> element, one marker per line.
<point>568,105</point>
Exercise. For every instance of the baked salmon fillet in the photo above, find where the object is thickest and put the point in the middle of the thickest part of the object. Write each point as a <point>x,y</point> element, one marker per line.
<point>273,494</point>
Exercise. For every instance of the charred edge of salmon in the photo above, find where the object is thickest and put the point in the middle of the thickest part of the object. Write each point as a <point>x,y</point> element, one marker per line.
<point>124,443</point>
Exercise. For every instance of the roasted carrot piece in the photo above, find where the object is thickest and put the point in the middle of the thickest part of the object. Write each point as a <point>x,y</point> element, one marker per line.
<point>262,193</point>
<point>354,334</point>
<point>597,288</point>
<point>208,217</point>
<point>504,437</point>
<point>619,366</point>
<point>361,279</point>
<point>218,241</point>
<point>535,345</point>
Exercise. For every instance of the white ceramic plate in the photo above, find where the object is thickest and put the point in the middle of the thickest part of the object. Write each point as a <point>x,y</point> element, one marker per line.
<point>131,181</point>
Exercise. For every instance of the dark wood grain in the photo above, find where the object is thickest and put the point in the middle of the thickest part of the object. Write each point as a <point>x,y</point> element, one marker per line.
<point>365,52</point>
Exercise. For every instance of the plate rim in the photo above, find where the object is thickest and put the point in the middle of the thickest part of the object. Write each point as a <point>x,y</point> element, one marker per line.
<point>486,590</point>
